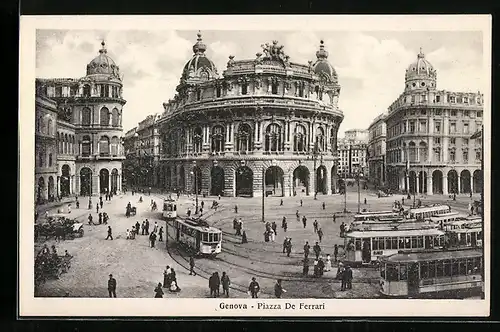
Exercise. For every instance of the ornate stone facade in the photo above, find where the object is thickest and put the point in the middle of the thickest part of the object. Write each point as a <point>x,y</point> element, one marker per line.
<point>89,128</point>
<point>429,146</point>
<point>266,119</point>
<point>377,132</point>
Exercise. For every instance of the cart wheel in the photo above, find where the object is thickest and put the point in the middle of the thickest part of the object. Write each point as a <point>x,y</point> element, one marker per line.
<point>81,232</point>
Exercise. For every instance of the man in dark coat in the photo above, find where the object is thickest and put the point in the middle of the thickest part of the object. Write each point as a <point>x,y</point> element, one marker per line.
<point>110,233</point>
<point>147,227</point>
<point>152,238</point>
<point>289,247</point>
<point>212,284</point>
<point>335,251</point>
<point>112,286</point>
<point>304,221</point>
<point>160,233</point>
<point>254,288</point>
<point>317,250</point>
<point>274,227</point>
<point>307,247</point>
<point>225,284</point>
<point>278,289</point>
<point>137,227</point>
<point>348,272</point>
<point>191,266</point>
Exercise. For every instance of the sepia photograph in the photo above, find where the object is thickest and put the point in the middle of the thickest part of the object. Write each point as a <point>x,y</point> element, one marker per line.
<point>245,166</point>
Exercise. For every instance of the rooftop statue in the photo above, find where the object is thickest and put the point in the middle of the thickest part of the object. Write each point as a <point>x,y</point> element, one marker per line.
<point>274,51</point>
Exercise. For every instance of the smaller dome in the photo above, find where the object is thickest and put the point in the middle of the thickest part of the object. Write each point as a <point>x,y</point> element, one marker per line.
<point>199,63</point>
<point>421,67</point>
<point>103,64</point>
<point>322,67</point>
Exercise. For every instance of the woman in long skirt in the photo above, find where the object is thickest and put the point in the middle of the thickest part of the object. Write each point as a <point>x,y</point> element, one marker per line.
<point>328,263</point>
<point>273,236</point>
<point>158,291</point>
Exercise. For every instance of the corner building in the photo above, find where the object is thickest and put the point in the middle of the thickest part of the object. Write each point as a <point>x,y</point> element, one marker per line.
<point>89,128</point>
<point>429,146</point>
<point>267,122</point>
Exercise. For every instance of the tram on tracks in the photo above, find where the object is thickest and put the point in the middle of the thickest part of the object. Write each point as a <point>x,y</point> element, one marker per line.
<point>427,212</point>
<point>455,273</point>
<point>365,247</point>
<point>464,233</point>
<point>169,208</point>
<point>196,235</point>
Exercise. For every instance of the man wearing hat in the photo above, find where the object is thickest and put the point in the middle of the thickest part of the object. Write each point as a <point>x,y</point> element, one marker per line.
<point>112,286</point>
<point>254,288</point>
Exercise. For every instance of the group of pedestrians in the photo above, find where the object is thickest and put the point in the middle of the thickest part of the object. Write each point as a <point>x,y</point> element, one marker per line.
<point>215,282</point>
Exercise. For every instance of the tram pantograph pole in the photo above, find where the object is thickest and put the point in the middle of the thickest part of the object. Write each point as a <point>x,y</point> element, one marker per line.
<point>263,192</point>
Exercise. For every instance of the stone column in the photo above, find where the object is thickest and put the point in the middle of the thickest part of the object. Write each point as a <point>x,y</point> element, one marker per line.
<point>429,183</point>
<point>445,184</point>
<point>459,183</point>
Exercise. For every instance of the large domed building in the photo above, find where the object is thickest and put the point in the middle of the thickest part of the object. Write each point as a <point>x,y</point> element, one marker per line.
<point>429,145</point>
<point>89,129</point>
<point>266,119</point>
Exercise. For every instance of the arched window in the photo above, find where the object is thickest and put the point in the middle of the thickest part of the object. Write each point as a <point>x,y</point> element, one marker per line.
<point>86,90</point>
<point>104,146</point>
<point>49,127</point>
<point>412,150</point>
<point>40,159</point>
<point>244,138</point>
<point>300,136</point>
<point>274,87</point>
<point>86,116</point>
<point>320,139</point>
<point>217,139</point>
<point>114,145</point>
<point>273,138</point>
<point>197,140</point>
<point>85,146</point>
<point>104,117</point>
<point>218,91</point>
<point>115,121</point>
<point>333,139</point>
<point>244,88</point>
<point>50,159</point>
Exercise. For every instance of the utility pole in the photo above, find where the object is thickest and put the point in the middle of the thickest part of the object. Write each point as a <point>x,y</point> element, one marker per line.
<point>315,175</point>
<point>263,191</point>
<point>359,195</point>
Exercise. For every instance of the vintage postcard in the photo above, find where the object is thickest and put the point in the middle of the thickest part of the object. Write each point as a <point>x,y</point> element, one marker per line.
<point>329,166</point>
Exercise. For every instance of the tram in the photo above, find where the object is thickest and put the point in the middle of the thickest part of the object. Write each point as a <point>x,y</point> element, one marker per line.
<point>169,208</point>
<point>453,273</point>
<point>373,216</point>
<point>196,235</point>
<point>365,247</point>
<point>446,218</point>
<point>428,211</point>
<point>464,233</point>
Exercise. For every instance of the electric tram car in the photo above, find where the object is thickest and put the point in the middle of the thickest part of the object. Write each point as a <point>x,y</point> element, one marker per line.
<point>169,208</point>
<point>464,233</point>
<point>453,273</point>
<point>427,212</point>
<point>196,235</point>
<point>365,247</point>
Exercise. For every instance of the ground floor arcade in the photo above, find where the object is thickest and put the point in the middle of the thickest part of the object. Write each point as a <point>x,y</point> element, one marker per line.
<point>249,177</point>
<point>98,178</point>
<point>432,180</point>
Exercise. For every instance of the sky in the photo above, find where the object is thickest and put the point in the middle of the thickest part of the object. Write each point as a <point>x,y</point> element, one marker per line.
<point>370,65</point>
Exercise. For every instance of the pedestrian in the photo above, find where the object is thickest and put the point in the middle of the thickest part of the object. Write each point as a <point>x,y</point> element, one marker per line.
<point>160,234</point>
<point>403,201</point>
<point>349,277</point>
<point>320,234</point>
<point>212,285</point>
<point>110,235</point>
<point>155,227</point>
<point>69,208</point>
<point>324,205</point>
<point>90,204</point>
<point>300,203</point>
<point>278,289</point>
<point>289,247</point>
<point>273,235</point>
<point>344,278</point>
<point>100,218</point>
<point>97,208</point>
<point>152,239</point>
<point>217,284</point>
<point>335,251</point>
<point>91,222</point>
<point>307,247</point>
<point>315,226</point>
<point>244,237</point>
<point>281,202</point>
<point>219,196</point>
<point>297,215</point>
<point>100,203</point>
<point>334,218</point>
<point>254,288</point>
<point>127,233</point>
<point>166,276</point>
<point>342,229</point>
<point>143,227</point>
<point>274,227</point>
<point>304,221</point>
<point>77,204</point>
<point>191,266</point>
<point>285,241</point>
<point>202,204</point>
<point>317,250</point>
<point>283,222</point>
<point>189,212</point>
<point>321,267</point>
<point>137,228</point>
<point>147,227</point>
<point>112,286</point>
<point>328,263</point>
<point>158,291</point>
<point>225,284</point>
<point>236,209</point>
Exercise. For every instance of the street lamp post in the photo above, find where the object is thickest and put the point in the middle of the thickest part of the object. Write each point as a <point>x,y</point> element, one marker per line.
<point>263,191</point>
<point>195,187</point>
<point>315,156</point>
<point>359,174</point>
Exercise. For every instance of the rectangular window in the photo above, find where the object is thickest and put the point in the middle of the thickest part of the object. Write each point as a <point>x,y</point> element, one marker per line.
<point>394,242</point>
<point>439,269</point>
<point>447,268</point>
<point>423,98</point>
<point>403,272</point>
<point>388,243</point>
<point>58,91</point>
<point>452,140</point>
<point>412,126</point>
<point>381,243</point>
<point>466,128</point>
<point>438,99</point>
<point>424,270</point>
<point>420,241</point>
<point>454,268</point>
<point>453,127</point>
<point>437,127</point>
<point>414,242</point>
<point>452,99</point>
<point>465,141</point>
<point>452,155</point>
<point>413,100</point>
<point>407,242</point>
<point>453,113</point>
<point>375,243</point>
<point>479,114</point>
<point>432,269</point>
<point>465,156</point>
<point>437,140</point>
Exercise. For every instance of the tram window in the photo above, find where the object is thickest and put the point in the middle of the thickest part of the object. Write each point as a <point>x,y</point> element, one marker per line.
<point>205,237</point>
<point>447,268</point>
<point>388,243</point>
<point>424,270</point>
<point>432,269</point>
<point>462,268</point>
<point>436,241</point>
<point>401,243</point>
<point>454,268</point>
<point>477,265</point>
<point>375,243</point>
<point>210,237</point>
<point>175,207</point>
<point>439,269</point>
<point>470,265</point>
<point>420,241</point>
<point>394,241</point>
<point>358,244</point>
<point>462,239</point>
<point>468,240</point>
<point>392,273</point>
<point>381,243</point>
<point>414,242</point>
<point>407,243</point>
<point>403,275</point>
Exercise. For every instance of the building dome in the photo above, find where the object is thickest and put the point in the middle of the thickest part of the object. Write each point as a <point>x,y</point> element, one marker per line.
<point>420,74</point>
<point>103,64</point>
<point>322,67</point>
<point>199,66</point>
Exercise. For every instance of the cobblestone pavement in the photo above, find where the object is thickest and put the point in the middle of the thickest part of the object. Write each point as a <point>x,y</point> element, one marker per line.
<point>138,268</point>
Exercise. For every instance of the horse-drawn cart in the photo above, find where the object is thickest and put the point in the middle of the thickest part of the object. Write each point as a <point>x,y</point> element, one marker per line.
<point>59,226</point>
